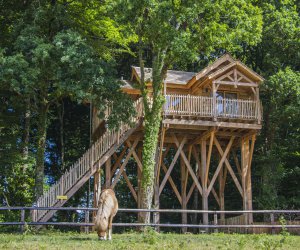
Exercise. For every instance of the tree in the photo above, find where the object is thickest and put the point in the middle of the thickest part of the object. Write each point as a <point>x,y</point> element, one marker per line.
<point>178,31</point>
<point>276,57</point>
<point>279,162</point>
<point>49,61</point>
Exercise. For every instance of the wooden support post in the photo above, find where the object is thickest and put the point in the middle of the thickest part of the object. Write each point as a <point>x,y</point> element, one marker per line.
<point>248,180</point>
<point>22,221</point>
<point>215,106</point>
<point>97,191</point>
<point>204,187</point>
<point>238,166</point>
<point>108,173</point>
<point>258,108</point>
<point>222,182</point>
<point>216,221</point>
<point>87,220</point>
<point>196,199</point>
<point>272,222</point>
<point>183,172</point>
<point>245,165</point>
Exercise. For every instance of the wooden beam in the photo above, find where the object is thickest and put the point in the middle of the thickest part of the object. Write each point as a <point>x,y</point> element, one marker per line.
<point>238,166</point>
<point>204,183</point>
<point>183,173</point>
<point>223,155</point>
<point>195,154</point>
<point>238,185</point>
<point>245,161</point>
<point>214,65</point>
<point>194,177</point>
<point>217,124</point>
<point>135,156</point>
<point>212,135</point>
<point>243,84</point>
<point>222,70</point>
<point>227,75</point>
<point>173,185</point>
<point>132,149</point>
<point>246,136</point>
<point>222,183</point>
<point>203,136</point>
<point>163,183</point>
<point>130,186</point>
<point>248,180</point>
<point>118,161</point>
<point>245,77</point>
<point>187,173</point>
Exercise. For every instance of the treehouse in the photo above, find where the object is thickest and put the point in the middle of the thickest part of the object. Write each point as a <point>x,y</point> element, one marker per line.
<point>210,121</point>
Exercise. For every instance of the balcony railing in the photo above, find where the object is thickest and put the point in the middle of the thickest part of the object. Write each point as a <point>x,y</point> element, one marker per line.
<point>202,106</point>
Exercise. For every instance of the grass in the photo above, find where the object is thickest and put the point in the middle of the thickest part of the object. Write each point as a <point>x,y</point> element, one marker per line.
<point>149,240</point>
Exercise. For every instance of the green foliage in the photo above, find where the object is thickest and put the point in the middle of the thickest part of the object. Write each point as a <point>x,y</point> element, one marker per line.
<point>92,21</point>
<point>71,51</point>
<point>281,148</point>
<point>16,173</point>
<point>48,62</point>
<point>150,236</point>
<point>284,230</point>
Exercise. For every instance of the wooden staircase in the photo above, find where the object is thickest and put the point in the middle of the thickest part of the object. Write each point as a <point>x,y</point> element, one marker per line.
<point>85,167</point>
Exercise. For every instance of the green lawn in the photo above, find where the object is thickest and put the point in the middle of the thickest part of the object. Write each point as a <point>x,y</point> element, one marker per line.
<point>143,241</point>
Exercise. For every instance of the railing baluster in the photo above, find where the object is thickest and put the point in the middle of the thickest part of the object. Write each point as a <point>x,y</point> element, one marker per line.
<point>203,106</point>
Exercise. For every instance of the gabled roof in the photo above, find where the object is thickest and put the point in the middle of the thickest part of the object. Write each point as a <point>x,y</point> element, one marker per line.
<point>173,76</point>
<point>188,79</point>
<point>223,64</point>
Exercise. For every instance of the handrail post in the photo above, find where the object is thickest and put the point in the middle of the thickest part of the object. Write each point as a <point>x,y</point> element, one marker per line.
<point>272,222</point>
<point>216,221</point>
<point>87,215</point>
<point>22,220</point>
<point>214,111</point>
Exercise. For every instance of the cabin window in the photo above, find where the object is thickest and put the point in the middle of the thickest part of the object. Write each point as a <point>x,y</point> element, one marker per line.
<point>227,105</point>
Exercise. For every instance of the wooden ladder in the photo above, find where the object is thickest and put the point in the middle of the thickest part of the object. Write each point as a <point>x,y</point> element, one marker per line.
<point>85,167</point>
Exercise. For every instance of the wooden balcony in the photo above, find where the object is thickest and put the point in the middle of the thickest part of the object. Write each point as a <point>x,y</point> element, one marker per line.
<point>212,109</point>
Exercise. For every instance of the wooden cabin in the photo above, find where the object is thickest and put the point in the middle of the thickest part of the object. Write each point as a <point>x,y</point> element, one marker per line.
<point>215,112</point>
<point>212,114</point>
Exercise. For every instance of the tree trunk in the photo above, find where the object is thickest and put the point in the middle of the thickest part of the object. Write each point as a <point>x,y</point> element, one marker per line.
<point>195,203</point>
<point>41,143</point>
<point>152,125</point>
<point>152,119</point>
<point>61,112</point>
<point>26,131</point>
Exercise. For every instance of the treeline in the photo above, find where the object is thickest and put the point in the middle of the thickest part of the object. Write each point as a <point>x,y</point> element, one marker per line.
<point>57,57</point>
